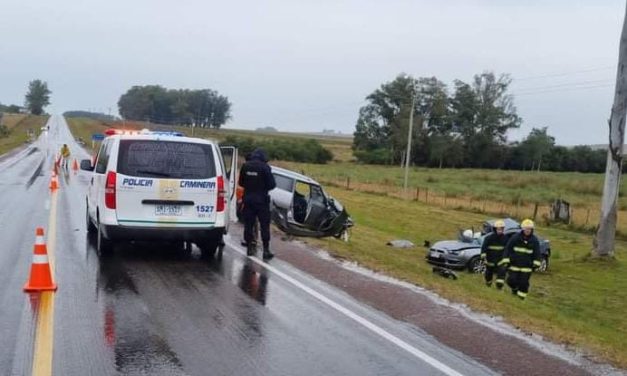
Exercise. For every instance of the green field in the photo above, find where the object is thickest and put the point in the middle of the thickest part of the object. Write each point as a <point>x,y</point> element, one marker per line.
<point>495,192</point>
<point>580,302</point>
<point>19,126</point>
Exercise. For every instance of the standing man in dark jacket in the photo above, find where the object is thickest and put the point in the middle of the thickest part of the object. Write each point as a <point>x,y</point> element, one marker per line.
<point>492,250</point>
<point>257,180</point>
<point>522,254</point>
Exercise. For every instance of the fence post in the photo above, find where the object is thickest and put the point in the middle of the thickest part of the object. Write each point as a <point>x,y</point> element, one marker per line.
<point>572,214</point>
<point>483,207</point>
<point>535,212</point>
<point>417,193</point>
<point>427,196</point>
<point>518,208</point>
<point>587,216</point>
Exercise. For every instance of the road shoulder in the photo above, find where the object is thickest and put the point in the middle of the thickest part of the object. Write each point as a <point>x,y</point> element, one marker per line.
<point>489,340</point>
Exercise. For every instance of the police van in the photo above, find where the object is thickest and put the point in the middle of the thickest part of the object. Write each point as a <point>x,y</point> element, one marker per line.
<point>160,186</point>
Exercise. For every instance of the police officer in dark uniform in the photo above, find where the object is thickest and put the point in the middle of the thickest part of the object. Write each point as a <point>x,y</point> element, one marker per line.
<point>492,250</point>
<point>257,180</point>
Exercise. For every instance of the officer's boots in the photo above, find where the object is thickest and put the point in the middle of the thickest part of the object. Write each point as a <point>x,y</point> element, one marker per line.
<point>267,255</point>
<point>251,249</point>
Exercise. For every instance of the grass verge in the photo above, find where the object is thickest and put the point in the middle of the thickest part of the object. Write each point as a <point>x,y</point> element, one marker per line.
<point>19,126</point>
<point>579,302</point>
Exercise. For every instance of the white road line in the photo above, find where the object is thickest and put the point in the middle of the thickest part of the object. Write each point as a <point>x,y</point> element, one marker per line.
<point>352,315</point>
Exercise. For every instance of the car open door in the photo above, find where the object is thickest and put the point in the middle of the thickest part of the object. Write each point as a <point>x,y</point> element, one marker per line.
<point>229,156</point>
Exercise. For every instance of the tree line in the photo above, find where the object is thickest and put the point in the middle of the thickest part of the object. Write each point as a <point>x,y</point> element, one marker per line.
<point>460,127</point>
<point>293,149</point>
<point>90,115</point>
<point>11,109</point>
<point>204,108</point>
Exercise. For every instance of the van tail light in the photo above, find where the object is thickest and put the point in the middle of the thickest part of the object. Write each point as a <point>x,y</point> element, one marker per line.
<point>221,195</point>
<point>110,190</point>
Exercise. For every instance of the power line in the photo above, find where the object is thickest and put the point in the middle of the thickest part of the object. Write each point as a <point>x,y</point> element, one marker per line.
<point>565,84</point>
<point>561,74</point>
<point>562,90</point>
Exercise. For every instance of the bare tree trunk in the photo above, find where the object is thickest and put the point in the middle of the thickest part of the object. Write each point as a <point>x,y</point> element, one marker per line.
<point>605,237</point>
<point>539,164</point>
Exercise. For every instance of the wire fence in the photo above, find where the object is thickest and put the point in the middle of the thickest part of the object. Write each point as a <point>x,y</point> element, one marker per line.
<point>581,218</point>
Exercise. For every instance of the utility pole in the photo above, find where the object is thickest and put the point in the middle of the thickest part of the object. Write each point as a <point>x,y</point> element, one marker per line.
<point>409,137</point>
<point>605,238</point>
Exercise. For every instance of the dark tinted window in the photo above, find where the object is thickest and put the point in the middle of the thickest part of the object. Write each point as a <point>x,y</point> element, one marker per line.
<point>284,183</point>
<point>167,159</point>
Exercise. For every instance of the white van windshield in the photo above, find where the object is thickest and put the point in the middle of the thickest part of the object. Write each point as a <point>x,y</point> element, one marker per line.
<point>167,159</point>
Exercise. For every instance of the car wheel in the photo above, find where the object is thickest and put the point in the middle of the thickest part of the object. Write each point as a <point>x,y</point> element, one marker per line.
<point>544,264</point>
<point>91,229</point>
<point>476,265</point>
<point>104,246</point>
<point>346,235</point>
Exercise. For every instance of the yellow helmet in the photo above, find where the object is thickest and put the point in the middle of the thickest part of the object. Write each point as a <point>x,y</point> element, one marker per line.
<point>527,223</point>
<point>499,223</point>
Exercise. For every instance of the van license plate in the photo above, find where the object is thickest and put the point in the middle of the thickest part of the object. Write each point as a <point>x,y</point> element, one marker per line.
<point>168,210</point>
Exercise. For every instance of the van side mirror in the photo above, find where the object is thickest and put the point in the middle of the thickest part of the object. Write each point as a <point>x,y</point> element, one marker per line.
<point>86,165</point>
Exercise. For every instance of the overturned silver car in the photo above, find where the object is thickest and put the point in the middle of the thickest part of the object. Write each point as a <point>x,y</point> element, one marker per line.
<point>300,207</point>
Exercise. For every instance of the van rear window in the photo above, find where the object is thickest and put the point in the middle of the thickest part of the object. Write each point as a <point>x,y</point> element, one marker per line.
<point>166,159</point>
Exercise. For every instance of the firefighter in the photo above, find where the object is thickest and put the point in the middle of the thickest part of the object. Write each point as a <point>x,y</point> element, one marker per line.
<point>522,255</point>
<point>257,180</point>
<point>492,253</point>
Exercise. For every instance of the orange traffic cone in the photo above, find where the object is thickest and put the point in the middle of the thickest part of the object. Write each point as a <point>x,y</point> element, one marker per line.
<point>40,275</point>
<point>54,183</point>
<point>75,165</point>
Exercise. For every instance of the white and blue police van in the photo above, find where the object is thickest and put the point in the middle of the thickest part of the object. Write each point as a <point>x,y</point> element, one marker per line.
<point>160,186</point>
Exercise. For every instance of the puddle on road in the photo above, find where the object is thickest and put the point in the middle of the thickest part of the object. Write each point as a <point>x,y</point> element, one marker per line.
<point>135,335</point>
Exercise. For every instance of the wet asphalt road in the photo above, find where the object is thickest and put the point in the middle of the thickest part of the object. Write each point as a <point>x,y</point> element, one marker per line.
<point>147,310</point>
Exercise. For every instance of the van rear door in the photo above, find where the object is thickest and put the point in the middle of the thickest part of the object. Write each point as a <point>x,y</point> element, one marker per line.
<point>229,156</point>
<point>166,183</point>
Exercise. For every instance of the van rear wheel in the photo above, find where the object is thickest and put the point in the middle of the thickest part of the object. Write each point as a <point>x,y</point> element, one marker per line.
<point>104,246</point>
<point>186,249</point>
<point>91,229</point>
<point>209,247</point>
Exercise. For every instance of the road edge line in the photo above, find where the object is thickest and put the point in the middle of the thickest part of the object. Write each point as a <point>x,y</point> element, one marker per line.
<point>352,315</point>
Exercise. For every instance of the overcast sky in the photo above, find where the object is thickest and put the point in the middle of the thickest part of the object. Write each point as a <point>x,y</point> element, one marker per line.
<point>307,65</point>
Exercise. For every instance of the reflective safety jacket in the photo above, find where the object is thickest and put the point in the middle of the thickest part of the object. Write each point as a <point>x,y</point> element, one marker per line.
<point>522,253</point>
<point>65,151</point>
<point>493,248</point>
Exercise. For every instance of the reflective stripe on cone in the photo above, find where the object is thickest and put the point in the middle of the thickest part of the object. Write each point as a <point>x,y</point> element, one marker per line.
<point>40,278</point>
